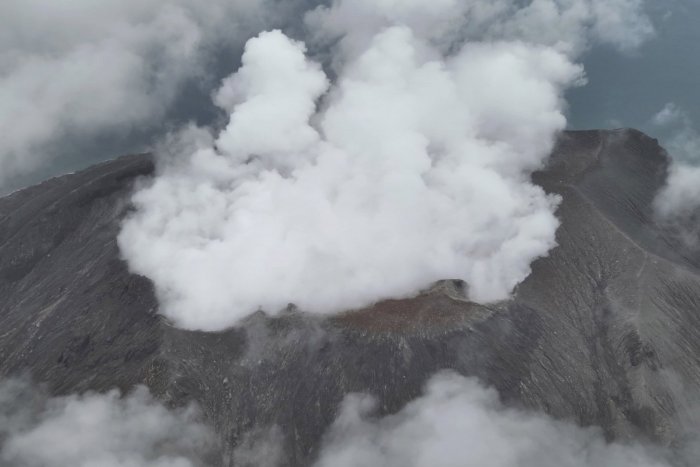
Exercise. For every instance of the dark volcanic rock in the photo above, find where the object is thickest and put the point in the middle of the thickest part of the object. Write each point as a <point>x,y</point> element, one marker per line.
<point>606,330</point>
<point>71,312</point>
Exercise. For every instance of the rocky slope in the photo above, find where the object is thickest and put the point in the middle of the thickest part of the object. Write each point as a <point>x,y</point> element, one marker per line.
<point>606,330</point>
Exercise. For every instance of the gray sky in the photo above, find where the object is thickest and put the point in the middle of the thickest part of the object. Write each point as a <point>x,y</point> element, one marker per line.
<point>628,90</point>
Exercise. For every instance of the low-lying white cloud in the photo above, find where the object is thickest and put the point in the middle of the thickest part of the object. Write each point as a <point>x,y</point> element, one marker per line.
<point>104,430</point>
<point>678,203</point>
<point>412,166</point>
<point>458,422</point>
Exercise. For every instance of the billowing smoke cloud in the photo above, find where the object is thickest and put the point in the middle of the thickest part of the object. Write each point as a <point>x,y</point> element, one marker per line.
<point>458,422</point>
<point>678,204</point>
<point>411,167</point>
<point>80,70</point>
<point>103,430</point>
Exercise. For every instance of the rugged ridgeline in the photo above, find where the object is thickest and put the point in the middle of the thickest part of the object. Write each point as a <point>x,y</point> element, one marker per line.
<point>606,330</point>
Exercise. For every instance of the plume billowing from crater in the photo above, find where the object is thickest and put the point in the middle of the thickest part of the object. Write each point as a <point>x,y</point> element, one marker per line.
<point>411,166</point>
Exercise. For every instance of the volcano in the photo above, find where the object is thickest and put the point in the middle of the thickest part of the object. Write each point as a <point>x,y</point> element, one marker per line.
<point>604,332</point>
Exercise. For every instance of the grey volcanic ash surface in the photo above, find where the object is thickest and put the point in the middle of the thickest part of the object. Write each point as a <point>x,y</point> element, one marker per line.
<point>604,332</point>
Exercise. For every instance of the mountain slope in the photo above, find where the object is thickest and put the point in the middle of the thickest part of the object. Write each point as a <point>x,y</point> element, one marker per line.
<point>605,331</point>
